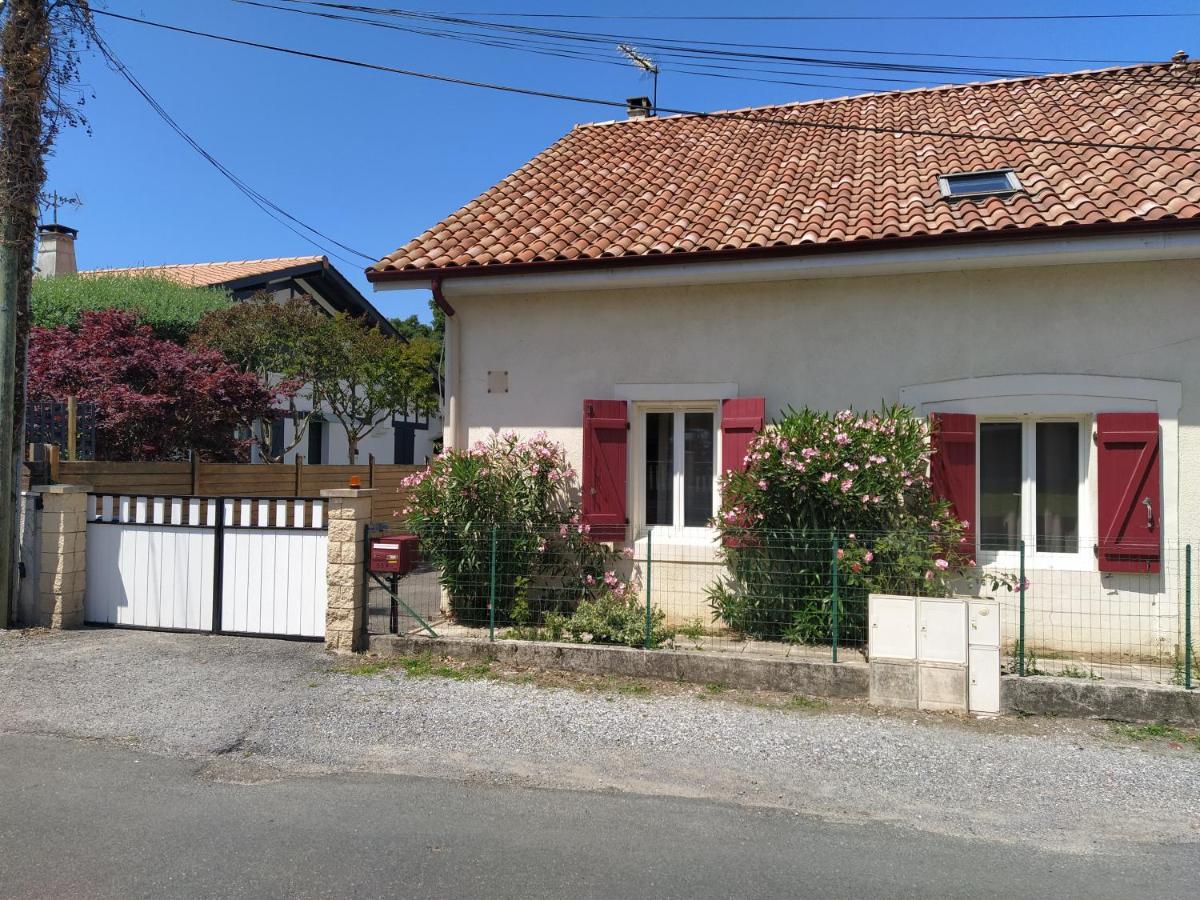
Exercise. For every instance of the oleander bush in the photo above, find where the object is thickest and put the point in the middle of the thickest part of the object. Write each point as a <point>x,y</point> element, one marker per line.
<point>522,492</point>
<point>814,476</point>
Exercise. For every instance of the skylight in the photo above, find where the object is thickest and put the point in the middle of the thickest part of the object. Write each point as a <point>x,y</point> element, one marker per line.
<point>979,184</point>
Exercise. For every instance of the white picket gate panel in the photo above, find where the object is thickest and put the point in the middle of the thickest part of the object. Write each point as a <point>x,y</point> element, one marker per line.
<point>273,573</point>
<point>257,565</point>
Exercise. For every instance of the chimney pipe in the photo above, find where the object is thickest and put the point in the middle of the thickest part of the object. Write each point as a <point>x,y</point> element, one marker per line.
<point>638,107</point>
<point>56,251</point>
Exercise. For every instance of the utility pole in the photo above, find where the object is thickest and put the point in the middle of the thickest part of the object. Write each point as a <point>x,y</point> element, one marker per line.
<point>38,58</point>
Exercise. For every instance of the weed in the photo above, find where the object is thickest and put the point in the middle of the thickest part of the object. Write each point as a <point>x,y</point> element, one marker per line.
<point>692,629</point>
<point>716,687</point>
<point>799,701</point>
<point>635,688</point>
<point>1073,671</point>
<point>1158,731</point>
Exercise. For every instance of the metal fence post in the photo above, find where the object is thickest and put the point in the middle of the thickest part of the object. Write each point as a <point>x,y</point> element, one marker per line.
<point>1187,617</point>
<point>649,556</point>
<point>492,589</point>
<point>1021,624</point>
<point>834,602</point>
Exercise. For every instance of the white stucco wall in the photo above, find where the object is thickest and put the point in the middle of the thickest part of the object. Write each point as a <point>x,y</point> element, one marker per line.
<point>841,342</point>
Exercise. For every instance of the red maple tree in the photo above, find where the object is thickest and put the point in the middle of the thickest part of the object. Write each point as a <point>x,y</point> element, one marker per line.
<point>154,399</point>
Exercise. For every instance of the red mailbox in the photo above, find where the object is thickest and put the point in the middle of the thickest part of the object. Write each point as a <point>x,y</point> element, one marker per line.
<point>387,556</point>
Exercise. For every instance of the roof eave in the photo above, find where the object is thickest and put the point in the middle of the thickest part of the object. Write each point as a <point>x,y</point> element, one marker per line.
<point>385,276</point>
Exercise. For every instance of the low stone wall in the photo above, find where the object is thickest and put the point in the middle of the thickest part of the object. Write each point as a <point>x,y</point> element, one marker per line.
<point>1082,699</point>
<point>811,677</point>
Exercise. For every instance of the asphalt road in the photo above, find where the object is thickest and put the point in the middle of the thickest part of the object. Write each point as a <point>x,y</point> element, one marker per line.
<point>88,819</point>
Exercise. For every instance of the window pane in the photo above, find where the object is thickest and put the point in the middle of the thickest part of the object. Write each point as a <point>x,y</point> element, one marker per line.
<point>1000,485</point>
<point>1057,487</point>
<point>978,182</point>
<point>697,469</point>
<point>660,468</point>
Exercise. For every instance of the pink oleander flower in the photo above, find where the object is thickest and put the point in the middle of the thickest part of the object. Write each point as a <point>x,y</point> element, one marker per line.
<point>826,478</point>
<point>928,575</point>
<point>627,552</point>
<point>841,553</point>
<point>762,484</point>
<point>868,556</point>
<point>841,438</point>
<point>589,581</point>
<point>809,452</point>
<point>846,485</point>
<point>941,564</point>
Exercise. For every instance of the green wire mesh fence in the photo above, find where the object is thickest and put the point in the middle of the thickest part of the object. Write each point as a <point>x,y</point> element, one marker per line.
<point>788,594</point>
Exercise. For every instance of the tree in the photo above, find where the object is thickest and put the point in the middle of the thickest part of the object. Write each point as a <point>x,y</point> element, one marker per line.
<point>356,373</point>
<point>154,400</point>
<point>171,309</point>
<point>270,340</point>
<point>40,64</point>
<point>365,377</point>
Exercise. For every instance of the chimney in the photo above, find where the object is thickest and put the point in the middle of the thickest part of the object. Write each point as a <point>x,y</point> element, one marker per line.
<point>56,251</point>
<point>638,107</point>
<point>1180,58</point>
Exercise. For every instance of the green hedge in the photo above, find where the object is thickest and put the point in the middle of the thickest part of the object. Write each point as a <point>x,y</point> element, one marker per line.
<point>171,309</point>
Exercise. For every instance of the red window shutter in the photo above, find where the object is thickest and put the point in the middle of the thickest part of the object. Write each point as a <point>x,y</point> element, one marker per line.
<point>605,437</point>
<point>741,419</point>
<point>952,465</point>
<point>1129,491</point>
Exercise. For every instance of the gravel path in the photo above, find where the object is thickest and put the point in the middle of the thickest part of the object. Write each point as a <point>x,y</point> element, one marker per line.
<point>249,710</point>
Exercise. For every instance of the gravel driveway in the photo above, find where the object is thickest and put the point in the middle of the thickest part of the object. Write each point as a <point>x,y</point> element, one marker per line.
<point>250,710</point>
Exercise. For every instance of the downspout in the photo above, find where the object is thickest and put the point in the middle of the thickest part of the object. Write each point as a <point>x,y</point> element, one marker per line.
<point>451,349</point>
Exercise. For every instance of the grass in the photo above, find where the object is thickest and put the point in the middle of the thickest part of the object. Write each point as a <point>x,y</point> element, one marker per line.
<point>716,687</point>
<point>634,688</point>
<point>692,629</point>
<point>1073,671</point>
<point>808,704</point>
<point>1157,732</point>
<point>419,666</point>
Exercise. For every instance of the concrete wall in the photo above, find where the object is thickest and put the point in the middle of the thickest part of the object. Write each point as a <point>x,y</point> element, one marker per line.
<point>856,342</point>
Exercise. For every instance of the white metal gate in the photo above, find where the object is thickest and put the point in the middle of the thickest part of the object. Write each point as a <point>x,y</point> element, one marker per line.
<point>231,565</point>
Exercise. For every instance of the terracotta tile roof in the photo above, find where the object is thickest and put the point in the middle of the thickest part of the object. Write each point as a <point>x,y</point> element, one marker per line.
<point>214,273</point>
<point>691,183</point>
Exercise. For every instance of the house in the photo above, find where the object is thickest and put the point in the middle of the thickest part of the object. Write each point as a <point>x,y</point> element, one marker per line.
<point>408,439</point>
<point>1021,257</point>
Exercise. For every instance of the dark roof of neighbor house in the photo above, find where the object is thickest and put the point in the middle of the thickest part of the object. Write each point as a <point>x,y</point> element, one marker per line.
<point>247,276</point>
<point>833,174</point>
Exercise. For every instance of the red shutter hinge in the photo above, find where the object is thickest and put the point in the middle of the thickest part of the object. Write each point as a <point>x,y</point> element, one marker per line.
<point>627,427</point>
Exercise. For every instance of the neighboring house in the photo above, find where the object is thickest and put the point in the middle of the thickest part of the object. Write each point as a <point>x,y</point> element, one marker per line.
<point>408,439</point>
<point>647,290</point>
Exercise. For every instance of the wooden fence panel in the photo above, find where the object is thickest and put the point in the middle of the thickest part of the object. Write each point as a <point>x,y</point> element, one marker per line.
<point>239,480</point>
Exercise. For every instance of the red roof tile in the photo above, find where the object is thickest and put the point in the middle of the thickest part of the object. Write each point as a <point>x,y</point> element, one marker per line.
<point>760,178</point>
<point>214,273</point>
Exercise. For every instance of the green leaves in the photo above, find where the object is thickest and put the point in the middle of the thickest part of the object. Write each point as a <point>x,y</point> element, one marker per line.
<point>172,310</point>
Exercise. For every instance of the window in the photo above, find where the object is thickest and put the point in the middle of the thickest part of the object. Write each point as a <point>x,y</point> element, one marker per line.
<point>979,184</point>
<point>678,467</point>
<point>316,442</point>
<point>1032,484</point>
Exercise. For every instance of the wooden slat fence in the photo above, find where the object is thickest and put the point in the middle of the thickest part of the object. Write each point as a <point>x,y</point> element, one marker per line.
<point>202,479</point>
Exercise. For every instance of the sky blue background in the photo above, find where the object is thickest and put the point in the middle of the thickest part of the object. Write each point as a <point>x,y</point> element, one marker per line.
<point>374,159</point>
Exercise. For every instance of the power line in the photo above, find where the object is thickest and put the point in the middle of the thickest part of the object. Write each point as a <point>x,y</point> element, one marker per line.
<point>860,18</point>
<point>270,208</point>
<point>524,38</point>
<point>750,117</point>
<point>697,42</point>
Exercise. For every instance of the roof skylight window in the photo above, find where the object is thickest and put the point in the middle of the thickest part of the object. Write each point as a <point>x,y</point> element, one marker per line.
<point>979,184</point>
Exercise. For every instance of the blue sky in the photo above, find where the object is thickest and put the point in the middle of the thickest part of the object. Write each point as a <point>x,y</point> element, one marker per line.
<point>373,159</point>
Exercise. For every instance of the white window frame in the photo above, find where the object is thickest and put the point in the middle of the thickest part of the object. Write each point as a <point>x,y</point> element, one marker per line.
<point>1084,557</point>
<point>638,442</point>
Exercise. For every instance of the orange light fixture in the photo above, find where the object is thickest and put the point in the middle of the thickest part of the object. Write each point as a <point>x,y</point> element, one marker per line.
<point>355,481</point>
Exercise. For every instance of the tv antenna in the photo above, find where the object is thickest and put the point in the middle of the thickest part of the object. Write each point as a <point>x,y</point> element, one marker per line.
<point>647,65</point>
<point>54,200</point>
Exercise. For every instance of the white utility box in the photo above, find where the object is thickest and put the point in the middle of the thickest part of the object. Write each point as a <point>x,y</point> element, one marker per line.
<point>983,657</point>
<point>939,653</point>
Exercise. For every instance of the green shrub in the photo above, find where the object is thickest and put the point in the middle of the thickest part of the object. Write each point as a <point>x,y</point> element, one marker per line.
<point>545,561</point>
<point>609,619</point>
<point>172,310</point>
<point>812,475</point>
